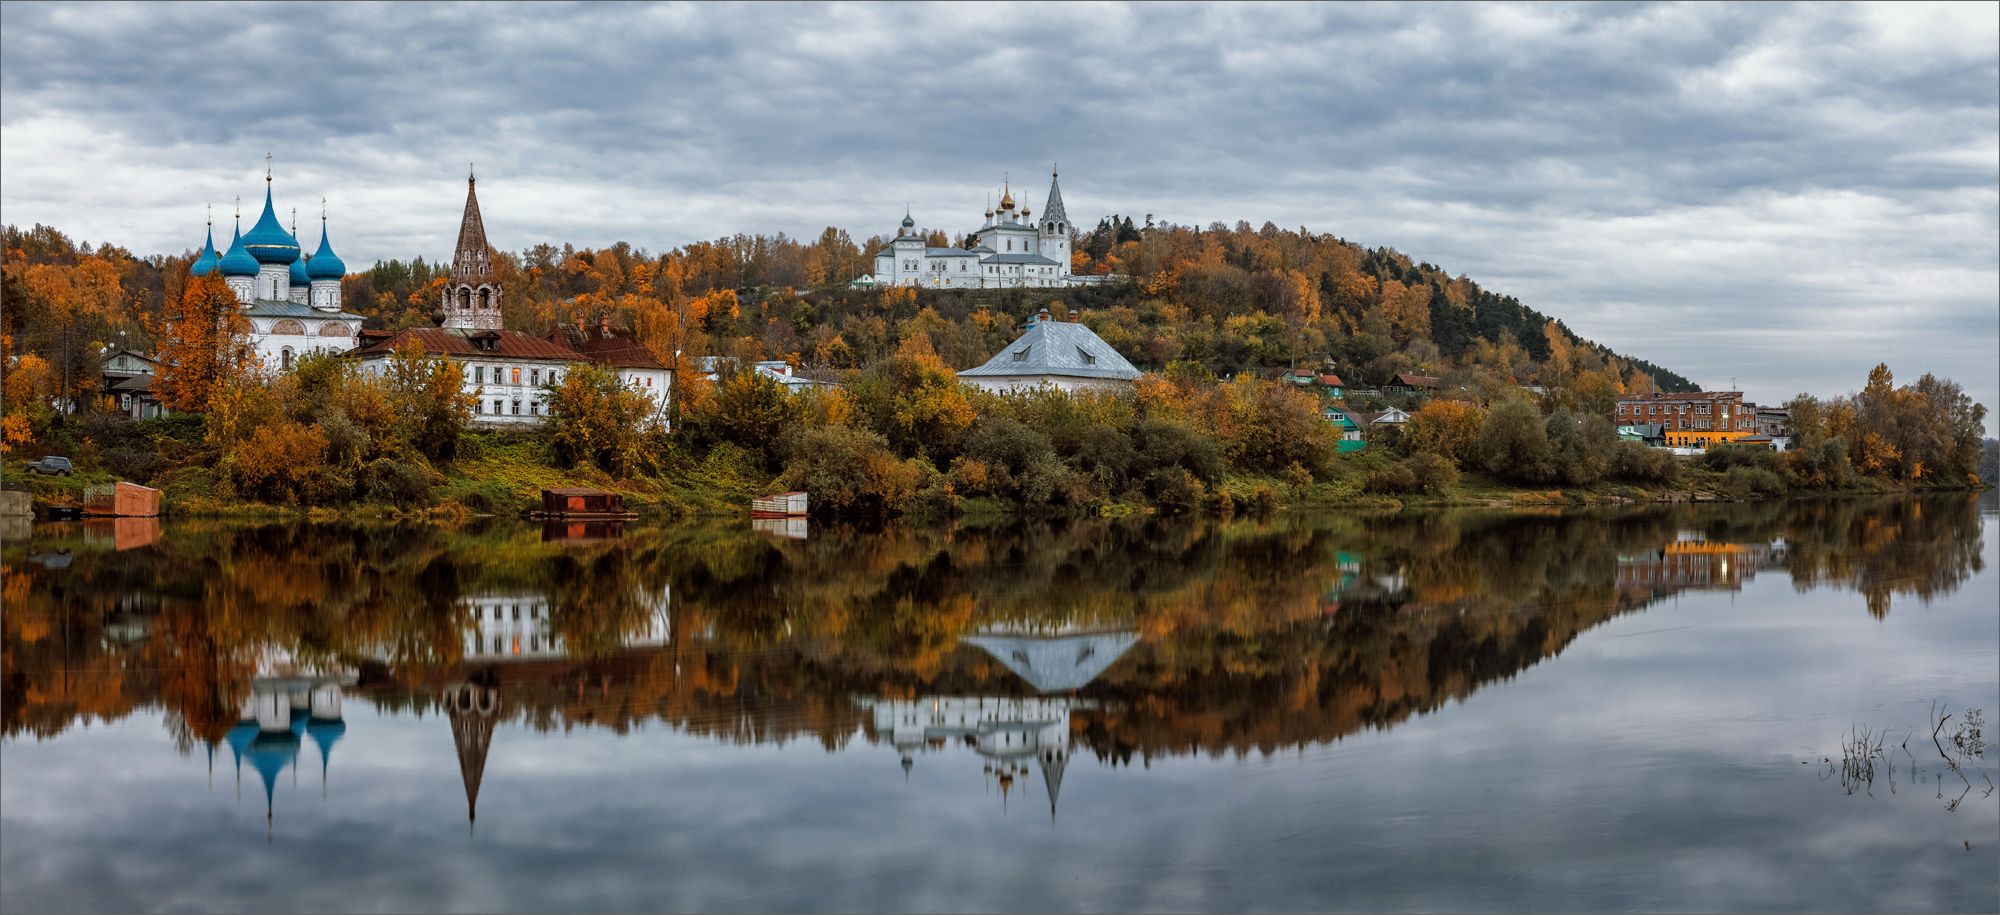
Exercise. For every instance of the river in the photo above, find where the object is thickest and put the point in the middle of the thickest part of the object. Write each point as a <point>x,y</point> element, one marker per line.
<point>1633,709</point>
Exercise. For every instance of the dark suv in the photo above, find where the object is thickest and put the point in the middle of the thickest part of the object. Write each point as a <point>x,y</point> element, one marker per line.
<point>50,465</point>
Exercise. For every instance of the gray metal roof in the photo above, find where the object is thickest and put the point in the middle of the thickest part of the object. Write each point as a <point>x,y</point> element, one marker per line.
<point>981,249</point>
<point>948,252</point>
<point>268,308</point>
<point>1057,664</point>
<point>1057,348</point>
<point>1032,259</point>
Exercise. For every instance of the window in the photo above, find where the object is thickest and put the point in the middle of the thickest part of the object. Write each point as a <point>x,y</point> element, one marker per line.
<point>517,376</point>
<point>479,374</point>
<point>517,408</point>
<point>285,358</point>
<point>535,377</point>
<point>1087,358</point>
<point>1021,355</point>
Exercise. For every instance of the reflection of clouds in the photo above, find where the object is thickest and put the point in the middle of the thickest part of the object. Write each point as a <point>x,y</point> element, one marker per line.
<point>1654,764</point>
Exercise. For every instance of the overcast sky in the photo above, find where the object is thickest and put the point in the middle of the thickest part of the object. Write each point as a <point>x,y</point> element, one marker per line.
<point>1779,195</point>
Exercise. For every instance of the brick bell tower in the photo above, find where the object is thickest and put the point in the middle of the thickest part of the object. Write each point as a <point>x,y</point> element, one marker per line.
<point>472,297</point>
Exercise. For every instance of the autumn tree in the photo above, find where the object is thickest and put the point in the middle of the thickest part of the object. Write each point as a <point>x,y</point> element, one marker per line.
<point>204,344</point>
<point>1446,428</point>
<point>595,419</point>
<point>428,395</point>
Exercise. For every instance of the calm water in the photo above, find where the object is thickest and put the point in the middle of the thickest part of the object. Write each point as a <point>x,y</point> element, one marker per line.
<point>1621,710</point>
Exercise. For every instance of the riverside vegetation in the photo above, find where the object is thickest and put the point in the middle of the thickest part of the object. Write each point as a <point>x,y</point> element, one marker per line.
<point>1202,432</point>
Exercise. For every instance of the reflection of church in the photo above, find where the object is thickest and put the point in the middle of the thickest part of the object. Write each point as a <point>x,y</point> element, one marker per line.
<point>1013,735</point>
<point>288,705</point>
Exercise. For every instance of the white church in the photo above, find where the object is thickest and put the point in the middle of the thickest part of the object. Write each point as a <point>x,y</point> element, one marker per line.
<point>1014,248</point>
<point>292,300</point>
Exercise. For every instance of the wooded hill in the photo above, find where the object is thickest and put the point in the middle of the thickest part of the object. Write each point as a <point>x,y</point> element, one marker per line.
<point>1220,299</point>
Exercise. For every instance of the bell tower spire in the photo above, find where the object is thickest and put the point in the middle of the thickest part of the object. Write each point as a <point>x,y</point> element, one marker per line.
<point>472,299</point>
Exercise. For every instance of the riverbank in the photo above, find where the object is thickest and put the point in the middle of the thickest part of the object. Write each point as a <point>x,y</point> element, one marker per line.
<point>503,474</point>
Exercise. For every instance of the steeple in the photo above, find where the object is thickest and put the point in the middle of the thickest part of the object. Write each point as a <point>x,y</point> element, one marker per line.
<point>472,301</point>
<point>472,261</point>
<point>1053,761</point>
<point>472,710</point>
<point>1053,210</point>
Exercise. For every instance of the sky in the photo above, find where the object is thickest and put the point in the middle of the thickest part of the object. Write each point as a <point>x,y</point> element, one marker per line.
<point>1767,196</point>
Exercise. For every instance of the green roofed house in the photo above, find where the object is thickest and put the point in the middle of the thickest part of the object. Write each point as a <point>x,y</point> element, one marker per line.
<point>1064,355</point>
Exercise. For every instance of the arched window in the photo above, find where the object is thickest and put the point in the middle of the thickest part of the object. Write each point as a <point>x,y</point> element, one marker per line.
<point>485,298</point>
<point>465,297</point>
<point>285,358</point>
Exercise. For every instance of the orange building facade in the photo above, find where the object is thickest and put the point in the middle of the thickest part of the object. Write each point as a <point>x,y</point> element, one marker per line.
<point>1694,419</point>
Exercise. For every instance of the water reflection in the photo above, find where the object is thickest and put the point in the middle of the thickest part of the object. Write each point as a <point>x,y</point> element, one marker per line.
<point>1002,655</point>
<point>1236,636</point>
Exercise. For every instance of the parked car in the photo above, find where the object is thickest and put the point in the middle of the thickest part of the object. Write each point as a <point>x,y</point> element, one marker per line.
<point>50,464</point>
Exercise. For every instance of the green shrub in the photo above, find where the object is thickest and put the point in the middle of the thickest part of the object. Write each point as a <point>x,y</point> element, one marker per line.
<point>1432,473</point>
<point>1633,462</point>
<point>1752,481</point>
<point>1394,479</point>
<point>398,483</point>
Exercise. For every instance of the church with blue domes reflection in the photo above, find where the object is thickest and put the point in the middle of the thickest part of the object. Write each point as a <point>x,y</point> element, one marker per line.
<point>291,299</point>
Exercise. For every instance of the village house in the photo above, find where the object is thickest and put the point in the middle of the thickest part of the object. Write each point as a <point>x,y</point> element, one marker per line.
<point>1064,355</point>
<point>1404,385</point>
<point>1323,380</point>
<point>128,379</point>
<point>1690,419</point>
<point>1349,424</point>
<point>793,380</point>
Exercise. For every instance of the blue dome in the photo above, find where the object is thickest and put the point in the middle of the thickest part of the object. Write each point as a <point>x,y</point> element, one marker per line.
<point>268,241</point>
<point>325,265</point>
<point>299,278</point>
<point>238,261</point>
<point>206,262</point>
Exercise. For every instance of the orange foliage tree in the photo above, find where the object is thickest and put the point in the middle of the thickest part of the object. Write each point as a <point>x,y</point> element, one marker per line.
<point>203,344</point>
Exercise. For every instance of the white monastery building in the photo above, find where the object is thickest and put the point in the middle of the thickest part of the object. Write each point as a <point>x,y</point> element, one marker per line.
<point>505,370</point>
<point>291,301</point>
<point>1014,248</point>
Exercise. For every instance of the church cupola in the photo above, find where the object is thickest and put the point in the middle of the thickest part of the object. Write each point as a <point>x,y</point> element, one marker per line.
<point>273,247</point>
<point>207,260</point>
<point>325,270</point>
<point>472,298</point>
<point>299,281</point>
<point>238,268</point>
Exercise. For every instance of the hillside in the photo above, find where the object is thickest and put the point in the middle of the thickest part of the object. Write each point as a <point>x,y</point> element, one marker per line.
<point>1221,300</point>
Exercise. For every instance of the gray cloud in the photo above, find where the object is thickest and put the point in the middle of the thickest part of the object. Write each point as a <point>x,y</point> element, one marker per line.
<point>1783,195</point>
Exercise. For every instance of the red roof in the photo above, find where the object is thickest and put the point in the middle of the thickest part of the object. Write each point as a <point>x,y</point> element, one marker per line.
<point>1419,381</point>
<point>1680,396</point>
<point>620,352</point>
<point>1331,380</point>
<point>452,341</point>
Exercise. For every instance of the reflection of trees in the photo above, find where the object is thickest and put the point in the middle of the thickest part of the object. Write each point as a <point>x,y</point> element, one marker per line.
<point>1252,634</point>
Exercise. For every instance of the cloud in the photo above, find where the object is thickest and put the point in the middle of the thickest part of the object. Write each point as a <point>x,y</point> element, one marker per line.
<point>1654,175</point>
